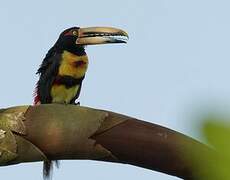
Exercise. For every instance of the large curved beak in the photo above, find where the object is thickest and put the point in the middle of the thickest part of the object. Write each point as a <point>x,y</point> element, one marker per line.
<point>101,35</point>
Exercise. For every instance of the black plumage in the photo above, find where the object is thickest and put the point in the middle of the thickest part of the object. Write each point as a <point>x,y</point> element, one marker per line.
<point>48,72</point>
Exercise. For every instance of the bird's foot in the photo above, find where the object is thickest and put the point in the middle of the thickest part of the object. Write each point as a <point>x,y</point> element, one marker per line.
<point>78,103</point>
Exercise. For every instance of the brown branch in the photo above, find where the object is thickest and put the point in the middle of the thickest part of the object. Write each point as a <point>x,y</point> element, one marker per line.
<point>71,132</point>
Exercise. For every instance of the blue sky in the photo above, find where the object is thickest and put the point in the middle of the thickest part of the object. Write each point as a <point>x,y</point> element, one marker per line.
<point>175,65</point>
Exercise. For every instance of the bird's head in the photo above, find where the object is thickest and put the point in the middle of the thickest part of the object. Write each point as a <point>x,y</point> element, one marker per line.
<point>67,58</point>
<point>75,39</point>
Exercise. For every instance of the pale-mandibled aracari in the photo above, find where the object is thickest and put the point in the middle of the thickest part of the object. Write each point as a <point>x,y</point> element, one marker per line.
<point>64,66</point>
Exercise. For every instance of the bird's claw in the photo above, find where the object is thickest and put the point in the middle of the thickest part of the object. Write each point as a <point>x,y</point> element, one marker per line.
<point>78,103</point>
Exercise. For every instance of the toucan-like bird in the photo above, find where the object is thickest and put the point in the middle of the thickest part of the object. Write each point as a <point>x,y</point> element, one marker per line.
<point>64,66</point>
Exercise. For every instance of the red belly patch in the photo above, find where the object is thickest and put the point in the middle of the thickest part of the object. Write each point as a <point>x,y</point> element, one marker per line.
<point>79,63</point>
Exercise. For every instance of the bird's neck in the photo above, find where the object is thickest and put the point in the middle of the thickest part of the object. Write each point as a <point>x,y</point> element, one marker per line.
<point>77,50</point>
<point>73,65</point>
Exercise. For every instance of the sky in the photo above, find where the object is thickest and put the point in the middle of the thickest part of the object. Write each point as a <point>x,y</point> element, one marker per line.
<point>174,69</point>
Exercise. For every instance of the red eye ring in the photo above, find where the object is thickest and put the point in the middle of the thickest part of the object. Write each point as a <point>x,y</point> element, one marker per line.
<point>68,33</point>
<point>71,33</point>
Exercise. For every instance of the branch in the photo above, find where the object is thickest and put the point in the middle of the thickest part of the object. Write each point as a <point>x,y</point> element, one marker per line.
<point>56,132</point>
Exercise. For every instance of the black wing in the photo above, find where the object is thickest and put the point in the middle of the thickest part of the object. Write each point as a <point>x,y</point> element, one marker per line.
<point>48,72</point>
<point>47,61</point>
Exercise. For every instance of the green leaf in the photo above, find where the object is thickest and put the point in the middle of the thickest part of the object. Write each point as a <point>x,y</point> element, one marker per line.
<point>217,134</point>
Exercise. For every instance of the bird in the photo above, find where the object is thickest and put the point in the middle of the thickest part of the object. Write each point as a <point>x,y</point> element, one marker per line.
<point>63,69</point>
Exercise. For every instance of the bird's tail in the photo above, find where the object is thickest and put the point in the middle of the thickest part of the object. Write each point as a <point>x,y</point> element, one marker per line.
<point>48,169</point>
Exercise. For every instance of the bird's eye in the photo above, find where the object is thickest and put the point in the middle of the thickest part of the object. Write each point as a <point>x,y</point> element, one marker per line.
<point>75,33</point>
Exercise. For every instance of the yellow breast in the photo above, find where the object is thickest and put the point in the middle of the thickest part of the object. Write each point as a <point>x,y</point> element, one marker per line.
<point>63,95</point>
<point>68,65</point>
<point>71,65</point>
